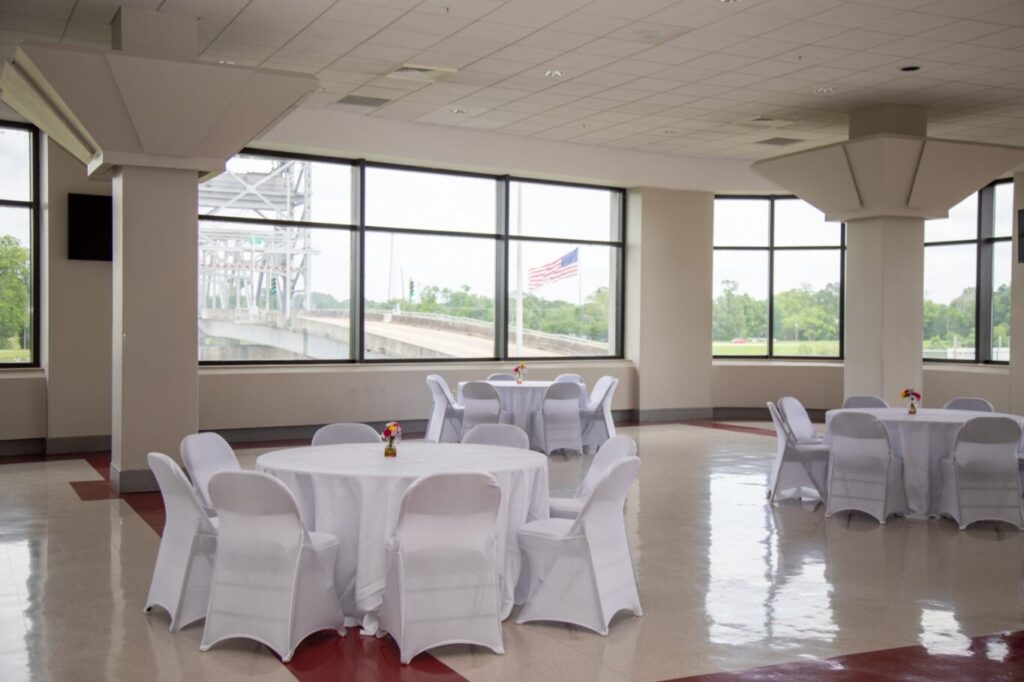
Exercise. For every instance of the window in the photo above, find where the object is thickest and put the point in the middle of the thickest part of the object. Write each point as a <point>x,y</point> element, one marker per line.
<point>967,262</point>
<point>19,308</point>
<point>318,260</point>
<point>778,279</point>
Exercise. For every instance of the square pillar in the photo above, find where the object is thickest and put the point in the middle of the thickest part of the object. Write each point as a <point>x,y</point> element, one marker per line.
<point>155,354</point>
<point>1017,306</point>
<point>884,306</point>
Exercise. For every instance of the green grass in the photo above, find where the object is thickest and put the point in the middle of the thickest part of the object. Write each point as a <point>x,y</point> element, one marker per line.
<point>18,355</point>
<point>782,348</point>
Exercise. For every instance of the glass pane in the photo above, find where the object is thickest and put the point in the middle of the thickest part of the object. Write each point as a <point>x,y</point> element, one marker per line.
<point>1003,211</point>
<point>565,296</point>
<point>962,223</point>
<point>429,296</point>
<point>797,223</point>
<point>949,292</point>
<point>15,284</point>
<point>1002,263</point>
<point>273,188</point>
<point>423,200</point>
<point>740,309</point>
<point>806,319</point>
<point>269,292</point>
<point>741,222</point>
<point>542,210</point>
<point>15,164</point>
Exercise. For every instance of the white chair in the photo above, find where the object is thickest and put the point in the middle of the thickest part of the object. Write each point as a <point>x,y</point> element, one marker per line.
<point>481,405</point>
<point>272,581</point>
<point>611,451</point>
<point>184,562</point>
<point>559,417</point>
<point>442,583</point>
<point>501,377</point>
<point>972,404</point>
<point>337,434</point>
<point>862,401</point>
<point>445,424</point>
<point>205,454</point>
<point>795,416</point>
<point>596,414</point>
<point>798,469</point>
<point>580,571</point>
<point>863,475</point>
<point>508,435</point>
<point>980,482</point>
<point>570,378</point>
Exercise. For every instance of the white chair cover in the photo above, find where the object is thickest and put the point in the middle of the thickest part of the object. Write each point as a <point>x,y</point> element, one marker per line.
<point>445,424</point>
<point>613,449</point>
<point>800,471</point>
<point>596,416</point>
<point>481,404</point>
<point>337,434</point>
<point>799,423</point>
<point>442,581</point>
<point>571,378</point>
<point>184,563</point>
<point>972,404</point>
<point>560,418</point>
<point>980,483</point>
<point>581,571</point>
<point>501,377</point>
<point>205,454</point>
<point>860,401</point>
<point>272,581</point>
<point>864,475</point>
<point>509,435</point>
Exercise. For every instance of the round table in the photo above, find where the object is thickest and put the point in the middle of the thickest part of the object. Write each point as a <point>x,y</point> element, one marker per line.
<point>519,402</point>
<point>354,492</point>
<point>922,441</point>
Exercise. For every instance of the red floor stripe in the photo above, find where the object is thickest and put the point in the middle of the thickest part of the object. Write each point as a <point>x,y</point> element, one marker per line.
<point>732,427</point>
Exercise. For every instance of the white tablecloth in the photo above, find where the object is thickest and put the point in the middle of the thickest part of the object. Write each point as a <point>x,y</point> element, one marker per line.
<point>519,402</point>
<point>354,492</point>
<point>922,440</point>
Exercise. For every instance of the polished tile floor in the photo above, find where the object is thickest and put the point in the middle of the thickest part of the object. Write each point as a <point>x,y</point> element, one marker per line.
<point>732,589</point>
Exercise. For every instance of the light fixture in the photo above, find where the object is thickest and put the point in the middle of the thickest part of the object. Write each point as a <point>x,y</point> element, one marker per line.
<point>460,110</point>
<point>824,91</point>
<point>909,68</point>
<point>552,73</point>
<point>225,61</point>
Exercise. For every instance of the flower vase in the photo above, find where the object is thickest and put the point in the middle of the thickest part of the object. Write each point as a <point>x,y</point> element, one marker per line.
<point>519,378</point>
<point>912,408</point>
<point>390,450</point>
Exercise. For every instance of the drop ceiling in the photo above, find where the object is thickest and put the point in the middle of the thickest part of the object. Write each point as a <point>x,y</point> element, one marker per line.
<point>694,78</point>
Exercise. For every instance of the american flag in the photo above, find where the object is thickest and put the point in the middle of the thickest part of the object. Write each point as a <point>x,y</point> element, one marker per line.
<point>560,268</point>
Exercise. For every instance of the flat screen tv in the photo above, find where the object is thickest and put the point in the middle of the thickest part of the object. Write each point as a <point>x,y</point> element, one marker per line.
<point>90,227</point>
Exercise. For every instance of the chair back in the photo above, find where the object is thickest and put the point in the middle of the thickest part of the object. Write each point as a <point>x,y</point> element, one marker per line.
<point>205,454</point>
<point>602,392</point>
<point>971,404</point>
<point>855,435</point>
<point>445,509</point>
<point>183,508</point>
<point>864,401</point>
<point>796,418</point>
<point>571,378</point>
<point>337,434</point>
<point>611,451</point>
<point>257,515</point>
<point>481,403</point>
<point>602,510</point>
<point>501,377</point>
<point>508,435</point>
<point>439,390</point>
<point>992,439</point>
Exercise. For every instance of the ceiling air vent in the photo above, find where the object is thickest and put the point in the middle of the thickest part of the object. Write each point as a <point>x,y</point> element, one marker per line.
<point>764,122</point>
<point>420,73</point>
<point>780,141</point>
<point>361,101</point>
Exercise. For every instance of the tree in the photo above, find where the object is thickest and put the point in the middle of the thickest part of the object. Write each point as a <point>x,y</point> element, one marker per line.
<point>15,283</point>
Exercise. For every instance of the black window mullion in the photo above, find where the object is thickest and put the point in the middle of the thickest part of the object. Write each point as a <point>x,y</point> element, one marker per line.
<point>357,311</point>
<point>983,288</point>
<point>501,273</point>
<point>771,277</point>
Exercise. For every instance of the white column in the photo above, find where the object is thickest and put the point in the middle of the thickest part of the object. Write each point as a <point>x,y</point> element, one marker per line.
<point>884,303</point>
<point>155,355</point>
<point>1017,306</point>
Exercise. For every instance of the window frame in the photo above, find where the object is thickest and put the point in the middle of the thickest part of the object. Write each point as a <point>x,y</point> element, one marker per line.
<point>501,238</point>
<point>33,205</point>
<point>770,249</point>
<point>984,242</point>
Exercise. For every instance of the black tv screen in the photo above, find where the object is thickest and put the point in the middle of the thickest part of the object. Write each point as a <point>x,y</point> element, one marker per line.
<point>90,227</point>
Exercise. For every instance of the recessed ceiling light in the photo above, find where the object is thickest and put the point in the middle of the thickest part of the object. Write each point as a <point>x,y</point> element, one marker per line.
<point>225,61</point>
<point>910,68</point>
<point>552,73</point>
<point>824,91</point>
<point>728,2</point>
<point>460,110</point>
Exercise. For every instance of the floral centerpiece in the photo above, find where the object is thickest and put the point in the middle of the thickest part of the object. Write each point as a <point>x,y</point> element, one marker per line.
<point>913,396</point>
<point>391,434</point>
<point>520,372</point>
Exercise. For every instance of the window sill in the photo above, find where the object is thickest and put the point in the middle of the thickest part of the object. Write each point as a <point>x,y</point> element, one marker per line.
<point>21,372</point>
<point>777,362</point>
<point>968,367</point>
<point>417,367</point>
